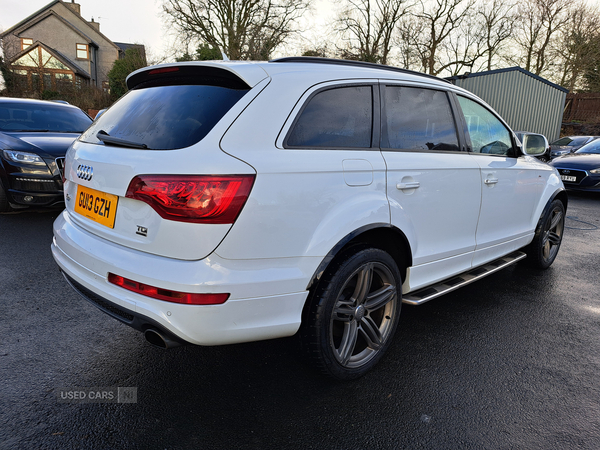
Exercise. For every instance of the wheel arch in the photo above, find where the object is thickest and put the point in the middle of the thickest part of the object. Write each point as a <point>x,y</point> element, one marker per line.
<point>377,235</point>
<point>559,194</point>
<point>542,250</point>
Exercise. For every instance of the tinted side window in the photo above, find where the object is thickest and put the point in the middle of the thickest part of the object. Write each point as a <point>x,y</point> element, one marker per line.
<point>340,117</point>
<point>487,133</point>
<point>418,119</point>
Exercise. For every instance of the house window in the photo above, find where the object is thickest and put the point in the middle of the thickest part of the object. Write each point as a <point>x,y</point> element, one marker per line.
<point>21,79</point>
<point>63,80</point>
<point>26,42</point>
<point>39,58</point>
<point>82,51</point>
<point>38,69</point>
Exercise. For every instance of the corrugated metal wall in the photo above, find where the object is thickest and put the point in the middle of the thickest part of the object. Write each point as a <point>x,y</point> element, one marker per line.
<point>526,102</point>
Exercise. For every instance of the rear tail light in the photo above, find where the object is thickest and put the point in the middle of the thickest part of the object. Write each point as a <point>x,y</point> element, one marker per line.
<point>187,298</point>
<point>193,198</point>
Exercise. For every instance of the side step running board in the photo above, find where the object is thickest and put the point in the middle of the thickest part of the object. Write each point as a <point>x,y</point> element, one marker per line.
<point>443,287</point>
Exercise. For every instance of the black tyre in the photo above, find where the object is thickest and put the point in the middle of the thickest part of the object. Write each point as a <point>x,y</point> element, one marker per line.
<point>353,314</point>
<point>542,251</point>
<point>4,206</point>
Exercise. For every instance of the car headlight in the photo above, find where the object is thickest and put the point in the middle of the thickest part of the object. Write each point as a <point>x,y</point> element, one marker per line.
<point>23,157</point>
<point>595,170</point>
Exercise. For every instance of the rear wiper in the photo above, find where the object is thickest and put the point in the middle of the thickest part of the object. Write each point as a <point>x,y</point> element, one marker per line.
<point>110,140</point>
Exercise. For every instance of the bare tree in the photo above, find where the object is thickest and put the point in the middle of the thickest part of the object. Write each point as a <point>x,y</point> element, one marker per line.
<point>243,29</point>
<point>468,44</point>
<point>497,21</point>
<point>408,54</point>
<point>427,33</point>
<point>367,27</point>
<point>540,22</point>
<point>578,46</point>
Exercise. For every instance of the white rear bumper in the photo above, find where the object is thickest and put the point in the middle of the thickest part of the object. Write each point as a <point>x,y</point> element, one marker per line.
<point>266,301</point>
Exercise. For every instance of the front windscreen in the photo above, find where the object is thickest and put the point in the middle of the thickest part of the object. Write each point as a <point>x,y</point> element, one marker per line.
<point>577,141</point>
<point>592,147</point>
<point>42,117</point>
<point>571,141</point>
<point>165,117</point>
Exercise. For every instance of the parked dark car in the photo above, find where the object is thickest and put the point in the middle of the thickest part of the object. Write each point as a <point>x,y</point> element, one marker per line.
<point>580,171</point>
<point>34,137</point>
<point>535,140</point>
<point>569,144</point>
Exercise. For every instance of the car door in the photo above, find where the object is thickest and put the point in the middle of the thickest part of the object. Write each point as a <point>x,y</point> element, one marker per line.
<point>511,184</point>
<point>433,187</point>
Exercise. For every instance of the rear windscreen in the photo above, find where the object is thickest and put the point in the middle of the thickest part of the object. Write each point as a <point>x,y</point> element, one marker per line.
<point>165,117</point>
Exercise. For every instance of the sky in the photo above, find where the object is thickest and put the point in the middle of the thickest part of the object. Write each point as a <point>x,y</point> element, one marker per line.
<point>130,21</point>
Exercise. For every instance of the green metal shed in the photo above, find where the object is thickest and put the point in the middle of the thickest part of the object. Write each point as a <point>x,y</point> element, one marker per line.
<point>526,101</point>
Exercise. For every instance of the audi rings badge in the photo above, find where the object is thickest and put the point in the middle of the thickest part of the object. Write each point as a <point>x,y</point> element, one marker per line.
<point>85,172</point>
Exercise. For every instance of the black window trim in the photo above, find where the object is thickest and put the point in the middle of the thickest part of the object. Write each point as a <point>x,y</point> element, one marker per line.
<point>456,114</point>
<point>376,117</point>
<point>514,151</point>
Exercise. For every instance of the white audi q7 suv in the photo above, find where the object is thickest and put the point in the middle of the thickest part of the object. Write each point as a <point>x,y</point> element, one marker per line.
<point>226,202</point>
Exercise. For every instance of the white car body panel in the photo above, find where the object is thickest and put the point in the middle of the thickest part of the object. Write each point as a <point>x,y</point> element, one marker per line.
<point>449,188</point>
<point>312,203</point>
<point>511,192</point>
<point>511,188</point>
<point>423,275</point>
<point>277,286</point>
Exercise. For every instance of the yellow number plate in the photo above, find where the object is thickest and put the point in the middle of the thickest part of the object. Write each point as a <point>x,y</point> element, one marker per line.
<point>97,206</point>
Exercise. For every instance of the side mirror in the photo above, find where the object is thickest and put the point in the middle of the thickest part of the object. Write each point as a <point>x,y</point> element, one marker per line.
<point>534,144</point>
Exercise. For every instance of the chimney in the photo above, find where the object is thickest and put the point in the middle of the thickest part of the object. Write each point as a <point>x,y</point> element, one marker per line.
<point>94,25</point>
<point>76,7</point>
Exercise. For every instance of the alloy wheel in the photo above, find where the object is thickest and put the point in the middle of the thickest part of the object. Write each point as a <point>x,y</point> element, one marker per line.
<point>361,321</point>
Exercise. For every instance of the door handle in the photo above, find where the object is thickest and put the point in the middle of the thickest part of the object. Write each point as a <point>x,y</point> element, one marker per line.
<point>409,185</point>
<point>490,181</point>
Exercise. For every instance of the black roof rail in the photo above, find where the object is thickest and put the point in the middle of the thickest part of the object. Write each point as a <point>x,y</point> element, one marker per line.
<point>346,62</point>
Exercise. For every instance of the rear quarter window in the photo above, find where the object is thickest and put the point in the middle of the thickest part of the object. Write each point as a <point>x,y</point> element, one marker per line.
<point>166,117</point>
<point>341,117</point>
